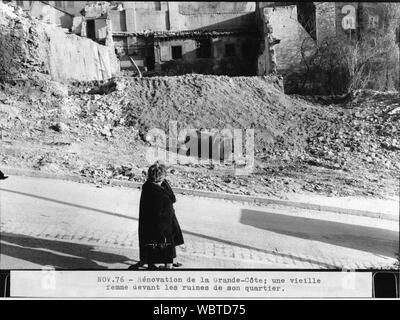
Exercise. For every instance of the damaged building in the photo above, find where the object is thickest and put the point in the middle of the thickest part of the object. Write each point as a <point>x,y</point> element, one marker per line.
<point>298,36</point>
<point>48,12</point>
<point>288,31</point>
<point>221,38</point>
<point>174,38</point>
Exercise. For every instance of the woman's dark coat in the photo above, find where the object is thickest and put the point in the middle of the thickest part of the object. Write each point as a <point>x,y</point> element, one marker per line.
<point>157,220</point>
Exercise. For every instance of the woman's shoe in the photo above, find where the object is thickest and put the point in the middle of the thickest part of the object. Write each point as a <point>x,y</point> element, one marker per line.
<point>177,264</point>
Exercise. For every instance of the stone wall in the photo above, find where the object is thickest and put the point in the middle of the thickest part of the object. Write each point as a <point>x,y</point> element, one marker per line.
<point>50,14</point>
<point>212,15</point>
<point>145,20</point>
<point>193,8</point>
<point>325,20</point>
<point>174,16</point>
<point>371,21</point>
<point>72,7</point>
<point>330,16</point>
<point>28,46</point>
<point>285,42</point>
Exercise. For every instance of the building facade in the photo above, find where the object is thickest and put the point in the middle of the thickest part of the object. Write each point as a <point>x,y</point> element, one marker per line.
<point>222,38</point>
<point>178,37</point>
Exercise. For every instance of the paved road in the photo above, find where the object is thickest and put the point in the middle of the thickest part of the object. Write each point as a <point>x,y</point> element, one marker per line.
<point>72,225</point>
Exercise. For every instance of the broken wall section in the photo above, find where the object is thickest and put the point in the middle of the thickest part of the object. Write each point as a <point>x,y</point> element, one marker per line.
<point>74,58</point>
<point>291,44</point>
<point>51,14</point>
<point>28,46</point>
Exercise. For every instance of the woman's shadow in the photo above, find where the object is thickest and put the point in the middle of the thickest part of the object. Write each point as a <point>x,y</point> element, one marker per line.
<point>59,254</point>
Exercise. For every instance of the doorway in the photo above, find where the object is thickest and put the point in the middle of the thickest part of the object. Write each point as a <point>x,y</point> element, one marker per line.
<point>90,29</point>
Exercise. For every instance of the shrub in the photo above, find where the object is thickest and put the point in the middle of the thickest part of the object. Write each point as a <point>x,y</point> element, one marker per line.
<point>368,61</point>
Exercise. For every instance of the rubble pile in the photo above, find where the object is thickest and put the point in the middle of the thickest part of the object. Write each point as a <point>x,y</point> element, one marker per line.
<point>365,132</point>
<point>285,128</point>
<point>98,131</point>
<point>22,46</point>
<point>195,101</point>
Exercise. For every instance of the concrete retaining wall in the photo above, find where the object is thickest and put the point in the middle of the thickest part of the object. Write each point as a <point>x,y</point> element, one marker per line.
<point>74,58</point>
<point>28,45</point>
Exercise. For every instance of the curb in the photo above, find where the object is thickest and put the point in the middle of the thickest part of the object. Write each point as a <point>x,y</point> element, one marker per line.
<point>210,194</point>
<point>288,203</point>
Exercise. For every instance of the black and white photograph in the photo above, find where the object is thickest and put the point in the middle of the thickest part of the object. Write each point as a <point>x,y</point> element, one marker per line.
<point>158,135</point>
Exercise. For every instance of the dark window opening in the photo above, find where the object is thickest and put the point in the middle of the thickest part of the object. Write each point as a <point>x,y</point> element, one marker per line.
<point>90,29</point>
<point>248,49</point>
<point>306,17</point>
<point>176,52</point>
<point>230,50</point>
<point>157,5</point>
<point>203,48</point>
<point>150,57</point>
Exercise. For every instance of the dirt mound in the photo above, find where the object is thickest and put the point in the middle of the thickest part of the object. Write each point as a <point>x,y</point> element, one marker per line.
<point>364,129</point>
<point>286,128</point>
<point>196,101</point>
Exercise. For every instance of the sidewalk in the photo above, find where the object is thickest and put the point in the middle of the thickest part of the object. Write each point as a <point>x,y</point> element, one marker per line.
<point>387,209</point>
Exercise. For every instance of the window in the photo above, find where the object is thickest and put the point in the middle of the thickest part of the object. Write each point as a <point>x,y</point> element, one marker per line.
<point>230,50</point>
<point>157,5</point>
<point>203,48</point>
<point>90,29</point>
<point>373,22</point>
<point>176,52</point>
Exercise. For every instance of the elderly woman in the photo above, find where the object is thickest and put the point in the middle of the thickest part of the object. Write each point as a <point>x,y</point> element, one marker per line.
<point>157,220</point>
